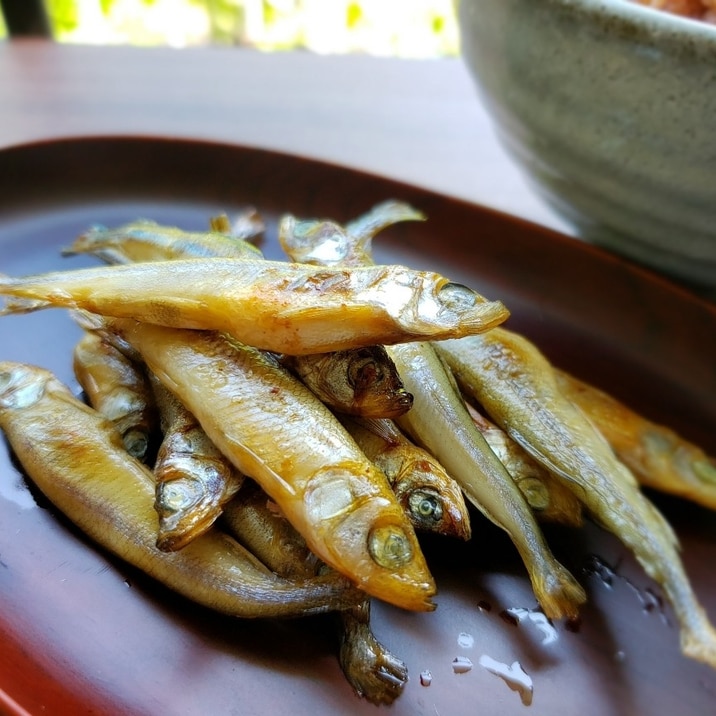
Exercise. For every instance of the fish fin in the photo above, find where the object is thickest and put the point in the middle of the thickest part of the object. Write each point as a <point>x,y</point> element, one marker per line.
<point>13,304</point>
<point>700,643</point>
<point>560,595</point>
<point>88,320</point>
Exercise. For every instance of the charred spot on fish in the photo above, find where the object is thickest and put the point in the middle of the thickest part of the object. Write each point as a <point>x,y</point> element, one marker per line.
<point>322,281</point>
<point>425,506</point>
<point>390,547</point>
<point>456,297</point>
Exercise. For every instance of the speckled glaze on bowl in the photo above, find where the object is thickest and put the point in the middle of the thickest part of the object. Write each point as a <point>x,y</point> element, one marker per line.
<point>611,108</point>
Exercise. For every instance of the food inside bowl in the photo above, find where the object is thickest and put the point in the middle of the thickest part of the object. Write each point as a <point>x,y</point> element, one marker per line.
<point>697,9</point>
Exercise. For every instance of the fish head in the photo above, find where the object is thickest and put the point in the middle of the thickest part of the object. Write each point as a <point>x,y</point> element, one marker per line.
<point>22,385</point>
<point>427,304</point>
<point>367,537</point>
<point>378,391</point>
<point>432,500</point>
<point>320,243</point>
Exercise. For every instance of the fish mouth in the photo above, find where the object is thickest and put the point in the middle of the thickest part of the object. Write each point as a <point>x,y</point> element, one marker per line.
<point>399,404</point>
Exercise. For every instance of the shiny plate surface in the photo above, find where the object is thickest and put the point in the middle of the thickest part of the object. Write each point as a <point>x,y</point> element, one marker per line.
<point>82,633</point>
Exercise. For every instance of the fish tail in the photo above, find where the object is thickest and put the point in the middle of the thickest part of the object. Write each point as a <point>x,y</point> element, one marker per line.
<point>87,241</point>
<point>18,304</point>
<point>559,593</point>
<point>699,641</point>
<point>20,297</point>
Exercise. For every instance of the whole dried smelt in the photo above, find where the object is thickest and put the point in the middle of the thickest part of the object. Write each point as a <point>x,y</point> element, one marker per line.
<point>361,381</point>
<point>370,668</point>
<point>658,456</point>
<point>439,422</point>
<point>275,430</point>
<point>118,388</point>
<point>194,479</point>
<point>547,496</point>
<point>302,309</point>
<point>75,457</point>
<point>146,240</point>
<point>515,384</point>
<point>430,497</point>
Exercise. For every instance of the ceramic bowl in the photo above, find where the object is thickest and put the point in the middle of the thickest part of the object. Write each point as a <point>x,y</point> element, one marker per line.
<point>610,107</point>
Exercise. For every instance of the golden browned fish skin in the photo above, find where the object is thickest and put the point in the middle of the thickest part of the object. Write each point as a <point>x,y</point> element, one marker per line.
<point>516,385</point>
<point>257,522</point>
<point>361,381</point>
<point>430,497</point>
<point>275,430</point>
<point>194,479</point>
<point>547,496</point>
<point>303,309</point>
<point>440,423</point>
<point>75,457</point>
<point>118,388</point>
<point>659,457</point>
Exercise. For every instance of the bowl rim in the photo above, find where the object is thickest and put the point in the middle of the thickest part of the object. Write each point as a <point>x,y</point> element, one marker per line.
<point>653,19</point>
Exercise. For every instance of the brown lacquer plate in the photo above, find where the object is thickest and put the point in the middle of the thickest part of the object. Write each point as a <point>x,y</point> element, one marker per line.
<point>83,633</point>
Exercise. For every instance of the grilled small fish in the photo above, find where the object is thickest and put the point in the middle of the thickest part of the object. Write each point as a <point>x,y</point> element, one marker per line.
<point>273,305</point>
<point>118,388</point>
<point>371,669</point>
<point>515,383</point>
<point>361,381</point>
<point>75,457</point>
<point>658,456</point>
<point>276,431</point>
<point>547,496</point>
<point>325,243</point>
<point>193,479</point>
<point>439,422</point>
<point>147,240</point>
<point>430,497</point>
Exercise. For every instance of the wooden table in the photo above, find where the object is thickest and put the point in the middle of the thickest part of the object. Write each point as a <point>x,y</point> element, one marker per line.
<point>420,121</point>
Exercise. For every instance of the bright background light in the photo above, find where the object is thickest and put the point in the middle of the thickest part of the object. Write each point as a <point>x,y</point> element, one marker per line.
<point>401,28</point>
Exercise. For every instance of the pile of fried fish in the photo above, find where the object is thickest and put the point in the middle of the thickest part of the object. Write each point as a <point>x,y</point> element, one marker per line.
<point>267,437</point>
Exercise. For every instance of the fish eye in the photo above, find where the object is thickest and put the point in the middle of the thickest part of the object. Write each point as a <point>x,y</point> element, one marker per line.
<point>457,297</point>
<point>389,547</point>
<point>176,495</point>
<point>364,373</point>
<point>425,506</point>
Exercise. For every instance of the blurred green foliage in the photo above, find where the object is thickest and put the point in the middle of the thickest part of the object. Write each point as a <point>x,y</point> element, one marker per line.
<point>388,27</point>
